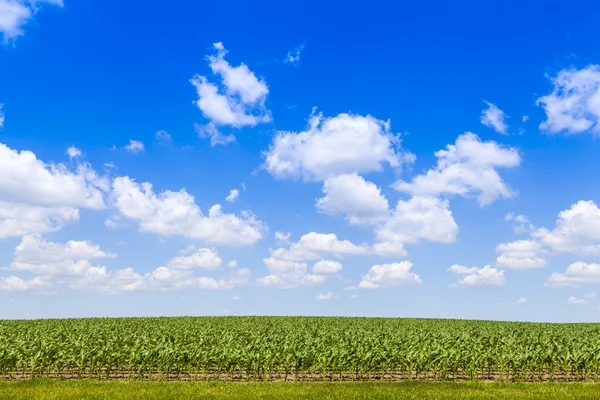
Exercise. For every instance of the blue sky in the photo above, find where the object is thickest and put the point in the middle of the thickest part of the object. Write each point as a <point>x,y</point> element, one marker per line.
<point>430,160</point>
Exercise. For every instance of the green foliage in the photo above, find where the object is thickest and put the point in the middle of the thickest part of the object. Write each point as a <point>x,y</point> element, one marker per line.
<point>298,348</point>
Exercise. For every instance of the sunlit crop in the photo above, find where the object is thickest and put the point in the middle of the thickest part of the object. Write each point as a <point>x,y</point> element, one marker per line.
<point>297,348</point>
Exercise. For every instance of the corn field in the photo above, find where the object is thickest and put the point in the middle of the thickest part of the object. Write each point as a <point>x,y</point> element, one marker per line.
<point>297,349</point>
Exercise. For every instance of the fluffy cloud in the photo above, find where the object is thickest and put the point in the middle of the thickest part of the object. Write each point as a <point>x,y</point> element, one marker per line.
<point>16,284</point>
<point>74,152</point>
<point>344,144</point>
<point>521,223</point>
<point>36,197</point>
<point>1,115</point>
<point>163,138</point>
<point>522,254</point>
<point>577,230</point>
<point>486,276</point>
<point>576,301</point>
<point>14,14</point>
<point>326,296</point>
<point>36,255</point>
<point>327,267</point>
<point>576,274</point>
<point>200,259</point>
<point>573,106</point>
<point>521,300</point>
<point>238,101</point>
<point>361,201</point>
<point>493,117</point>
<point>420,218</point>
<point>466,168</point>
<point>233,195</point>
<point>134,146</point>
<point>162,279</point>
<point>312,246</point>
<point>176,213</point>
<point>388,275</point>
<point>288,274</point>
<point>282,237</point>
<point>210,131</point>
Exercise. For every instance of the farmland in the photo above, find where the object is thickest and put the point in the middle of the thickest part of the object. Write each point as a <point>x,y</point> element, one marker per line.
<point>298,349</point>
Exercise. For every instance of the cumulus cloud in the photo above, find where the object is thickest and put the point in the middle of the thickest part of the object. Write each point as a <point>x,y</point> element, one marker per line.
<point>466,168</point>
<point>289,274</point>
<point>388,275</point>
<point>74,152</point>
<point>163,138</point>
<point>176,213</point>
<point>577,230</point>
<point>282,237</point>
<point>344,144</point>
<point>326,296</point>
<point>134,146</point>
<point>16,284</point>
<point>238,100</point>
<point>36,255</point>
<point>14,15</point>
<point>1,115</point>
<point>486,276</point>
<point>327,267</point>
<point>576,274</point>
<point>199,259</point>
<point>521,300</point>
<point>494,117</point>
<point>420,218</point>
<point>313,245</point>
<point>521,223</point>
<point>521,254</point>
<point>573,106</point>
<point>574,300</point>
<point>233,195</point>
<point>359,200</point>
<point>36,197</point>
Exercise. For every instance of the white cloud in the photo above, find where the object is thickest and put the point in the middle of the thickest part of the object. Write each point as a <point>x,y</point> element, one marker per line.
<point>344,144</point>
<point>361,201</point>
<point>200,259</point>
<point>36,197</point>
<point>162,279</point>
<point>521,300</point>
<point>326,296</point>
<point>233,195</point>
<point>521,254</point>
<point>312,246</point>
<point>576,301</point>
<point>134,146</point>
<point>577,230</point>
<point>592,295</point>
<point>573,106</point>
<point>176,213</point>
<point>36,255</point>
<point>494,117</point>
<point>238,101</point>
<point>521,223</point>
<point>210,131</point>
<point>282,237</point>
<point>232,264</point>
<point>289,274</point>
<point>486,276</point>
<point>163,138</point>
<point>576,274</point>
<point>74,152</point>
<point>293,57</point>
<point>466,168</point>
<point>16,284</point>
<point>461,270</point>
<point>525,118</point>
<point>1,114</point>
<point>327,267</point>
<point>388,275</point>
<point>420,218</point>
<point>14,14</point>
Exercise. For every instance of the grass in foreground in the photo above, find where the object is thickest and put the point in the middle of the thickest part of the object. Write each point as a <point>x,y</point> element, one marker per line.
<point>114,390</point>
